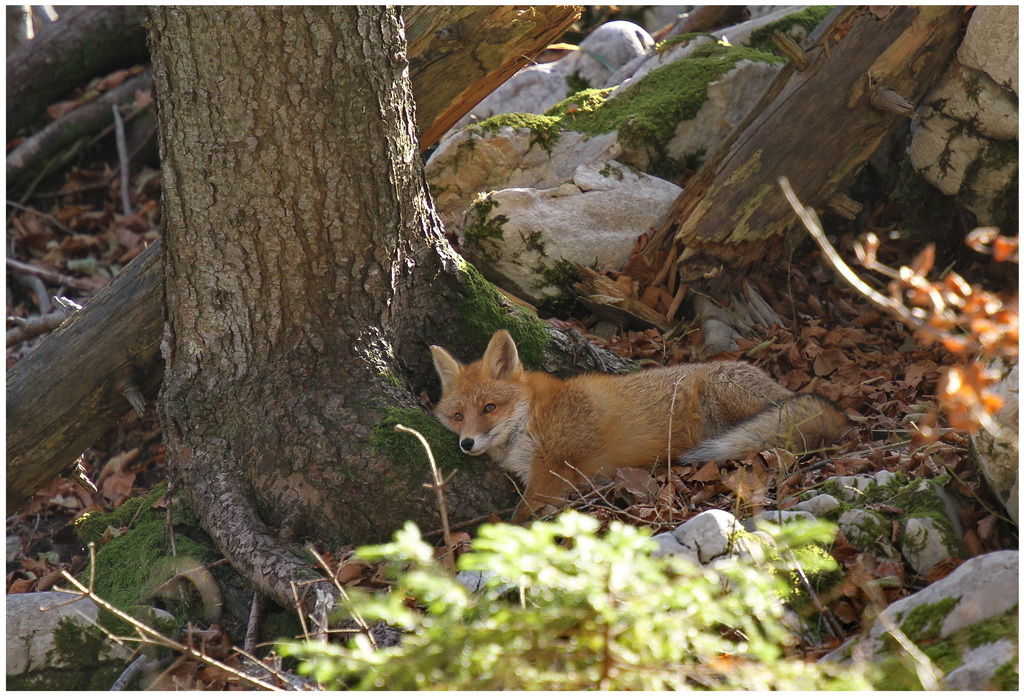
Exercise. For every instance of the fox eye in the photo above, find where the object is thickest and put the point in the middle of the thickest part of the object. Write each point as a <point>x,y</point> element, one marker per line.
<point>458,416</point>
<point>489,408</point>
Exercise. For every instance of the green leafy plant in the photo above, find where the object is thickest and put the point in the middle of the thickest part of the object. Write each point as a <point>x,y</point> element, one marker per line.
<point>568,609</point>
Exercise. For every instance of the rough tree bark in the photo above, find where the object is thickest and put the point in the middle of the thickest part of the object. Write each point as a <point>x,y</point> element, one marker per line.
<point>818,127</point>
<point>83,43</point>
<point>305,275</point>
<point>30,441</point>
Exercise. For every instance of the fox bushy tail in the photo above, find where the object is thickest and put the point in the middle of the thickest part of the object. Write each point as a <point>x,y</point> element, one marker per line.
<point>799,423</point>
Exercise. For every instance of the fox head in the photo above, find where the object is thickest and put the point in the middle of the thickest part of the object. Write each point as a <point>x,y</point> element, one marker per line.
<point>483,402</point>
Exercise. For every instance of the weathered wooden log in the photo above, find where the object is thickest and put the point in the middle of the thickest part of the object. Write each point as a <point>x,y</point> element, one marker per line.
<point>85,42</point>
<point>69,391</point>
<point>41,444</point>
<point>817,126</point>
<point>27,158</point>
<point>459,56</point>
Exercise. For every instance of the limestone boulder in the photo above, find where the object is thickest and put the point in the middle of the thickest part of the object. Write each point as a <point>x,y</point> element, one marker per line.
<point>526,239</point>
<point>52,643</point>
<point>965,624</point>
<point>998,456</point>
<point>965,139</point>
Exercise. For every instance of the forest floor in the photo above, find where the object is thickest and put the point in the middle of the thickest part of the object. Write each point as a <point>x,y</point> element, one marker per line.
<point>831,341</point>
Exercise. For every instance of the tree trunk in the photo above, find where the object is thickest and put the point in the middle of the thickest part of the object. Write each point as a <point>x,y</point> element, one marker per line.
<point>306,274</point>
<point>83,43</point>
<point>817,127</point>
<point>28,440</point>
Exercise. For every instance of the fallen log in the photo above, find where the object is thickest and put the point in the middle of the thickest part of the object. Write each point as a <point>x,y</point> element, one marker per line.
<point>818,127</point>
<point>26,159</point>
<point>76,384</point>
<point>85,42</point>
<point>120,320</point>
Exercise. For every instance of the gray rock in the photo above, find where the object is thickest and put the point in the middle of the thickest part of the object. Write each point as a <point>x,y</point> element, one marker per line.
<point>991,44</point>
<point>522,235</point>
<point>853,488</point>
<point>964,141</point>
<point>669,545</point>
<point>32,619</point>
<point>980,664</point>
<point>471,162</point>
<point>778,517</point>
<point>998,457</point>
<point>708,534</point>
<point>474,581</point>
<point>923,544</point>
<point>819,506</point>
<point>978,600</point>
<point>867,531</point>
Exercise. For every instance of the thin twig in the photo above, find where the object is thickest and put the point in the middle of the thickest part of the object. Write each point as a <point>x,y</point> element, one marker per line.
<point>810,220</point>
<point>298,608</point>
<point>122,155</point>
<point>69,281</point>
<point>668,462</point>
<point>472,521</point>
<point>438,487</point>
<point>136,667</point>
<point>34,211</point>
<point>31,328</point>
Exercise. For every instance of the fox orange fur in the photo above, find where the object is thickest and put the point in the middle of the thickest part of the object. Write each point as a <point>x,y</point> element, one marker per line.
<point>555,434</point>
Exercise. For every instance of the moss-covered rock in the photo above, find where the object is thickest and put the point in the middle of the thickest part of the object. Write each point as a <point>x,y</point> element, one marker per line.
<point>60,648</point>
<point>965,624</point>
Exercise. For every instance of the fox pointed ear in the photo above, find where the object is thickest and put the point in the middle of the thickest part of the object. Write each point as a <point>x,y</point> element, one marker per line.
<point>501,359</point>
<point>448,369</point>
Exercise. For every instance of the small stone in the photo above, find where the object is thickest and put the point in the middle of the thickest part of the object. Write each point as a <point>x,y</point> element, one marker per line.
<point>866,531</point>
<point>818,506</point>
<point>782,517</point>
<point>669,545</point>
<point>708,534</point>
<point>883,477</point>
<point>923,546</point>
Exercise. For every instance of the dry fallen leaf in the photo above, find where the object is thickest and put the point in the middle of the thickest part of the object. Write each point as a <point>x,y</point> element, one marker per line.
<point>707,473</point>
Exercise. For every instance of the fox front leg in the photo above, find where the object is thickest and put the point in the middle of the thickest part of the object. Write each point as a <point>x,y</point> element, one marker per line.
<point>544,491</point>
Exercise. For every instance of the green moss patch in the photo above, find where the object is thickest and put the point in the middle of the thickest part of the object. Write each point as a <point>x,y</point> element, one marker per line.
<point>132,565</point>
<point>484,311</point>
<point>924,622</point>
<point>482,228</point>
<point>405,449</point>
<point>645,113</point>
<point>1007,676</point>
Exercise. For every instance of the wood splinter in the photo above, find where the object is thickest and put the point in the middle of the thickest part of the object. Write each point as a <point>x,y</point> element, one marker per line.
<point>791,50</point>
<point>886,99</point>
<point>844,206</point>
<point>134,396</point>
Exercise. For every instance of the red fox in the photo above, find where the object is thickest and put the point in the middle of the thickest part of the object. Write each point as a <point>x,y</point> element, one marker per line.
<point>555,434</point>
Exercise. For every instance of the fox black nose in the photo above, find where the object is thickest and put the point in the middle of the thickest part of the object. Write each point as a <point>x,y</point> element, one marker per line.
<point>466,445</point>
